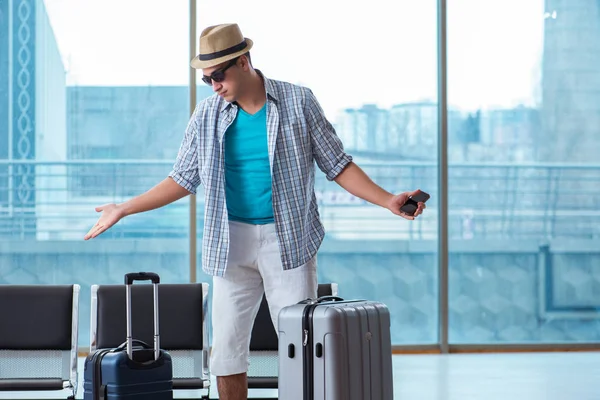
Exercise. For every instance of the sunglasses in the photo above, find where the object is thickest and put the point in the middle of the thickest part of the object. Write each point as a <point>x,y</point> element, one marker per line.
<point>218,75</point>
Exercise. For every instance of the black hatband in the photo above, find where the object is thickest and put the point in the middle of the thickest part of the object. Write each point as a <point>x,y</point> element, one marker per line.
<point>223,53</point>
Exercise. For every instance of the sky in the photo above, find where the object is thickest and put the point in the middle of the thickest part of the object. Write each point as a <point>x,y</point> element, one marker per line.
<point>348,52</point>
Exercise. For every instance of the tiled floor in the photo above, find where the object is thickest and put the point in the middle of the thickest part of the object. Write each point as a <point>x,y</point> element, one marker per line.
<point>522,376</point>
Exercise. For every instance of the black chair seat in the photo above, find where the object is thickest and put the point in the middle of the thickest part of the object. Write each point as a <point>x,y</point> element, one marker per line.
<point>188,383</point>
<point>262,382</point>
<point>50,337</point>
<point>26,384</point>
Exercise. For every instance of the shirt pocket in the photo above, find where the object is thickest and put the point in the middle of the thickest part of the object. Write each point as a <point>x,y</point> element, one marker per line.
<point>297,138</point>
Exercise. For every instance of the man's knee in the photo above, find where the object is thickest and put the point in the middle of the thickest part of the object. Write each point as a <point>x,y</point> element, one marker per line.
<point>290,287</point>
<point>224,362</point>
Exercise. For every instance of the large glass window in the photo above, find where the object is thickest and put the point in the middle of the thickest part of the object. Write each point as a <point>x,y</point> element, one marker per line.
<point>374,71</point>
<point>91,115</point>
<point>93,105</point>
<point>523,179</point>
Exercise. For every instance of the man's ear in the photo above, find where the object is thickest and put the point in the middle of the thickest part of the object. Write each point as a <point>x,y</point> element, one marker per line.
<point>245,63</point>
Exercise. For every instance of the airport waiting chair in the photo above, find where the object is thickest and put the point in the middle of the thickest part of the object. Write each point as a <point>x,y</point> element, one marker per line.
<point>183,326</point>
<point>263,369</point>
<point>38,338</point>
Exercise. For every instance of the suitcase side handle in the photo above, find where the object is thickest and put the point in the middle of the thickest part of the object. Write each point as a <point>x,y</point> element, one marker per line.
<point>141,276</point>
<point>329,298</point>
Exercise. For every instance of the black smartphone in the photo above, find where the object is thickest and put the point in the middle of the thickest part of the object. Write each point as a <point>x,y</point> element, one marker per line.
<point>411,205</point>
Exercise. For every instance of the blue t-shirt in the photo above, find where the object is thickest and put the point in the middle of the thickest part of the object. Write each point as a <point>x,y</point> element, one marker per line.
<point>247,169</point>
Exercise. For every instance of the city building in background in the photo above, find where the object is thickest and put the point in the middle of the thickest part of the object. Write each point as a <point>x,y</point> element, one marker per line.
<point>571,81</point>
<point>32,120</point>
<point>409,132</point>
<point>112,123</point>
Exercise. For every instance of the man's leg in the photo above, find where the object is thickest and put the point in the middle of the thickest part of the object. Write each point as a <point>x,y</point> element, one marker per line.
<point>283,288</point>
<point>236,299</point>
<point>233,387</point>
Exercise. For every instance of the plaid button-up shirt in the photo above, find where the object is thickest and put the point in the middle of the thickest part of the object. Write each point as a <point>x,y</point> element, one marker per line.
<point>298,135</point>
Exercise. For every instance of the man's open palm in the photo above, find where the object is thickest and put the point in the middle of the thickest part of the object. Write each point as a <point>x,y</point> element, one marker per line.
<point>111,214</point>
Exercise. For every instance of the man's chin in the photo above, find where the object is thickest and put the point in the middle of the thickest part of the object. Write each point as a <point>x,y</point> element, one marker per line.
<point>227,97</point>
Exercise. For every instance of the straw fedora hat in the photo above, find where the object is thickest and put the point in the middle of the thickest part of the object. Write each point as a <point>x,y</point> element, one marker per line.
<point>220,43</point>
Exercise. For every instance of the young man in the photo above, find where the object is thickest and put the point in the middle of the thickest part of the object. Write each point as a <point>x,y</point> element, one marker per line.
<point>253,146</point>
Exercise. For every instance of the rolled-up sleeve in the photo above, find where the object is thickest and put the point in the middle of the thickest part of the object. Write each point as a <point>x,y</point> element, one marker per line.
<point>328,149</point>
<point>185,171</point>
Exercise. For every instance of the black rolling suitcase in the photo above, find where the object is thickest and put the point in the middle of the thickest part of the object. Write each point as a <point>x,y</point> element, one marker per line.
<point>128,372</point>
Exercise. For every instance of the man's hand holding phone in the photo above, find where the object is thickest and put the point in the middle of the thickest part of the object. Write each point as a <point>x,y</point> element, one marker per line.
<point>409,205</point>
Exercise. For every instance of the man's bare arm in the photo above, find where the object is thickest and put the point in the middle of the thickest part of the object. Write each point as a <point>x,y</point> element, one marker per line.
<point>355,181</point>
<point>166,192</point>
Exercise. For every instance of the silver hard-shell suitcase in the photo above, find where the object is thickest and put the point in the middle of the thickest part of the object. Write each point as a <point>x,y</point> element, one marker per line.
<point>332,349</point>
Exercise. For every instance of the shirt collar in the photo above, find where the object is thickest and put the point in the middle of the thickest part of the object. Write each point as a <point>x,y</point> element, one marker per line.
<point>269,88</point>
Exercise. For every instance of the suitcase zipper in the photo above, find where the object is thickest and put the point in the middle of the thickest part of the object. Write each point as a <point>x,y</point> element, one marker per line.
<point>308,367</point>
<point>97,387</point>
<point>307,344</point>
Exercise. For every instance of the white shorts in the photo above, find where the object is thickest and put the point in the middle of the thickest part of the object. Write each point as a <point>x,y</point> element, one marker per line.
<point>254,268</point>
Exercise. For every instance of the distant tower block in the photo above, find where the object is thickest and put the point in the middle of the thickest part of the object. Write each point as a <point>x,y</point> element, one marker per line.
<point>571,82</point>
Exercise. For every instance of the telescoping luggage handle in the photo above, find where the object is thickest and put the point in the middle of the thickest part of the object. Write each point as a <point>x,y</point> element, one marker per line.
<point>129,279</point>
